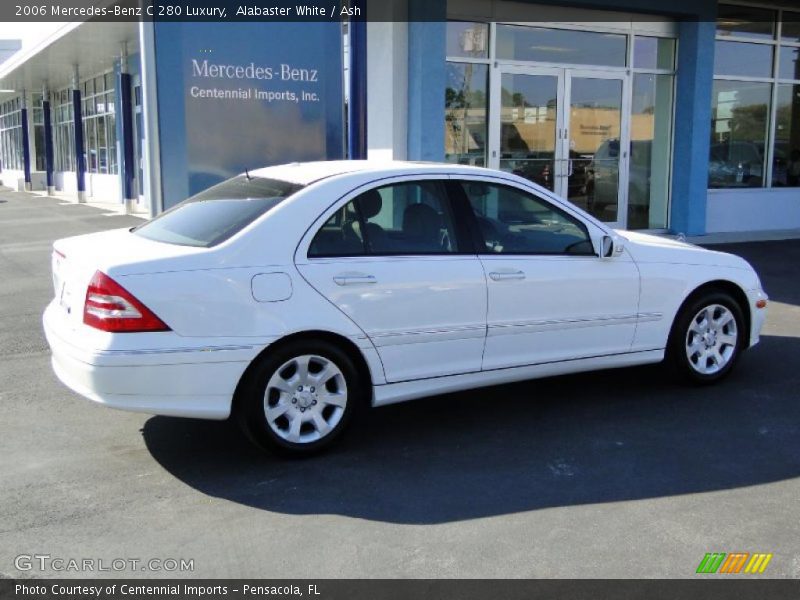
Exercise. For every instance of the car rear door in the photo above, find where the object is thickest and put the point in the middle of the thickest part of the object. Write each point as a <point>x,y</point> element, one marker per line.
<point>394,258</point>
<point>551,297</point>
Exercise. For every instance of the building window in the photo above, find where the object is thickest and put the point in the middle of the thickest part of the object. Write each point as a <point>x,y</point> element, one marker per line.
<point>11,135</point>
<point>652,95</point>
<point>745,21</point>
<point>739,132</point>
<point>651,137</point>
<point>467,93</point>
<point>466,113</point>
<point>755,105</point>
<point>653,53</point>
<point>467,40</point>
<point>38,132</point>
<point>532,109</point>
<point>543,45</point>
<point>63,131</point>
<point>99,125</point>
<point>786,161</point>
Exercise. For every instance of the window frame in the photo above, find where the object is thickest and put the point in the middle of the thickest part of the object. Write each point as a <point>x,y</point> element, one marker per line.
<point>777,43</point>
<point>461,229</point>
<point>63,129</point>
<point>94,92</point>
<point>629,30</point>
<point>11,135</point>
<point>329,216</point>
<point>479,241</point>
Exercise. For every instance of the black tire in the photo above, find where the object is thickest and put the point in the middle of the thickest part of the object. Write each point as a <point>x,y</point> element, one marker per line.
<point>251,402</point>
<point>677,357</point>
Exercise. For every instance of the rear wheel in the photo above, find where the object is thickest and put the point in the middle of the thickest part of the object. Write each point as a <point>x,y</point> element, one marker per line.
<point>707,338</point>
<point>298,399</point>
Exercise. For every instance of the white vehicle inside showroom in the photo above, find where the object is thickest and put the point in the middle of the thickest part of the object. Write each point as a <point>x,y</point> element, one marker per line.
<point>292,296</point>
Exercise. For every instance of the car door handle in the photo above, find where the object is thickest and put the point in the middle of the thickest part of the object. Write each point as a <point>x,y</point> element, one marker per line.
<point>354,279</point>
<point>506,275</point>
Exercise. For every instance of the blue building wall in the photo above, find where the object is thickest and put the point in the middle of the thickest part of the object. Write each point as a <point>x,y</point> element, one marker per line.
<point>690,156</point>
<point>426,79</point>
<point>426,82</point>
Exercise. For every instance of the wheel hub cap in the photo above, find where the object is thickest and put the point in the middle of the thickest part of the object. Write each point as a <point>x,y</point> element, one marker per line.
<point>305,398</point>
<point>711,339</point>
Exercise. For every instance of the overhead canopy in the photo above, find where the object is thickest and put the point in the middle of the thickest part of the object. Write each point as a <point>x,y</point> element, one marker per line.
<point>92,46</point>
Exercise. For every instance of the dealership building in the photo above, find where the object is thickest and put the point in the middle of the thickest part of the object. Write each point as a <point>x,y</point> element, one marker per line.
<point>684,118</point>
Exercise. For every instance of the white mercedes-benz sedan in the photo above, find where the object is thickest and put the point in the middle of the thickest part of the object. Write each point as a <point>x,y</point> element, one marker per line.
<point>291,296</point>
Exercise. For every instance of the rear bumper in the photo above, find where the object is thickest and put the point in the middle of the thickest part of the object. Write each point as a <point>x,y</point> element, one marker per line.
<point>184,382</point>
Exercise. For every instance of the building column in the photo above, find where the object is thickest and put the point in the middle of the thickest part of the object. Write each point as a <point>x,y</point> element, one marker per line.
<point>357,105</point>
<point>125,114</point>
<point>427,32</point>
<point>26,140</point>
<point>49,163</point>
<point>690,154</point>
<point>77,119</point>
<point>151,150</point>
<point>387,85</point>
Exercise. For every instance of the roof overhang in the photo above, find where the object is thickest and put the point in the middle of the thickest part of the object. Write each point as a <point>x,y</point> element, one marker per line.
<point>91,46</point>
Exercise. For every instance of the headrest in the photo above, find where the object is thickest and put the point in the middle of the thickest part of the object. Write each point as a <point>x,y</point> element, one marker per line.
<point>370,204</point>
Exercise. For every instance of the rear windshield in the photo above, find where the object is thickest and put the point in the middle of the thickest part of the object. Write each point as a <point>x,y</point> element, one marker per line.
<point>216,214</point>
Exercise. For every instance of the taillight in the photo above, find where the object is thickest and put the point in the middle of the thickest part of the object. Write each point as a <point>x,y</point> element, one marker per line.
<point>111,307</point>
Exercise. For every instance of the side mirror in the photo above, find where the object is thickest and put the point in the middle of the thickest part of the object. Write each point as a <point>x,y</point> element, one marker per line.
<point>611,246</point>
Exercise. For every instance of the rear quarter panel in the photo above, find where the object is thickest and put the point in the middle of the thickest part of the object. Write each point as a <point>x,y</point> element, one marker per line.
<point>220,303</point>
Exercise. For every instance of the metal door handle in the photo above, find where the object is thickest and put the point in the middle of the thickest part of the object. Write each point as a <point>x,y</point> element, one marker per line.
<point>354,279</point>
<point>506,275</point>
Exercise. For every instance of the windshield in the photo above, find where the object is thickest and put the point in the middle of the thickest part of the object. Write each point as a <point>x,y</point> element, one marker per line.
<point>214,215</point>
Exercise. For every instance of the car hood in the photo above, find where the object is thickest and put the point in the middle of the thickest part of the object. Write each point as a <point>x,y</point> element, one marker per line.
<point>658,249</point>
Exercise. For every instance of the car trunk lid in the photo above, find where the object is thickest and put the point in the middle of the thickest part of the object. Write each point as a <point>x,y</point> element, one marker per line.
<point>116,253</point>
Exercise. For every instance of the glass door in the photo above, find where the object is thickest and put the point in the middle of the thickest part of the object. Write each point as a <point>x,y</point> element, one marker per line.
<point>526,140</point>
<point>564,129</point>
<point>596,144</point>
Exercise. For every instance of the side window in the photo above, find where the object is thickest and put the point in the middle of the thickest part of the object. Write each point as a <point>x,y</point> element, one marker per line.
<point>408,218</point>
<point>514,222</point>
<point>403,218</point>
<point>340,236</point>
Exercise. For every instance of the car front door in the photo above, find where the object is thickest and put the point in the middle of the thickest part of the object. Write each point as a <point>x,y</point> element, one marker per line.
<point>551,297</point>
<point>396,261</point>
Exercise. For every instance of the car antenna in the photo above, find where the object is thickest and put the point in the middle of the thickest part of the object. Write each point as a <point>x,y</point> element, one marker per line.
<point>247,174</point>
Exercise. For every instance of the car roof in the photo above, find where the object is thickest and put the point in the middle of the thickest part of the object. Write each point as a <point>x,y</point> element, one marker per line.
<point>308,172</point>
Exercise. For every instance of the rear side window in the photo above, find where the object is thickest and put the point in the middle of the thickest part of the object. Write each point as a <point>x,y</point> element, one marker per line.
<point>214,215</point>
<point>410,218</point>
<point>340,236</point>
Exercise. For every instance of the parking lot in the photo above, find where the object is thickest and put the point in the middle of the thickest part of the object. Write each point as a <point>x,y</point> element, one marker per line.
<point>614,474</point>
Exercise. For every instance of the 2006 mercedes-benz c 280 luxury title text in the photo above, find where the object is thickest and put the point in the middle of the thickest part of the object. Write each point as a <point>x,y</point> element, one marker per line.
<point>291,296</point>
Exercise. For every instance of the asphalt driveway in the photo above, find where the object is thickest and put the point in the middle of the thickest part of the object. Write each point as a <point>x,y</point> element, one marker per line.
<point>613,474</point>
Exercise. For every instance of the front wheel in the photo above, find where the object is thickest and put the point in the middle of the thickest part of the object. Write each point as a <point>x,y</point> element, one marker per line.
<point>707,338</point>
<point>298,399</point>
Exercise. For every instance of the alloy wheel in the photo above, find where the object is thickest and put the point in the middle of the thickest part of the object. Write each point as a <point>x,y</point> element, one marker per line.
<point>305,398</point>
<point>711,339</point>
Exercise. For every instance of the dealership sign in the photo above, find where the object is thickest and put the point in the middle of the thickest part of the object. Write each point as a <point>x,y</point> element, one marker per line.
<point>235,97</point>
